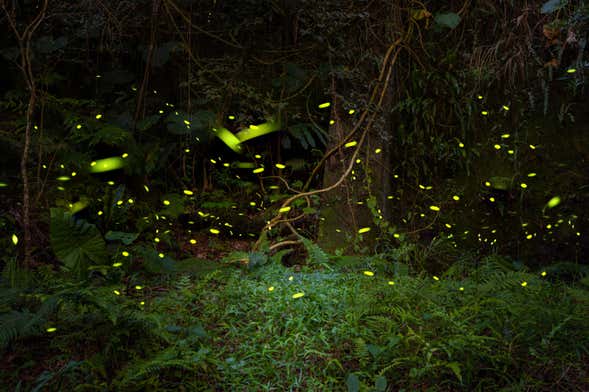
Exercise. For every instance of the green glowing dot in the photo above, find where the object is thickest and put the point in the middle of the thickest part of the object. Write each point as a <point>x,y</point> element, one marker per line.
<point>161,255</point>
<point>298,295</point>
<point>523,185</point>
<point>98,116</point>
<point>532,147</point>
<point>524,284</point>
<point>331,122</point>
<point>531,174</point>
<point>461,145</point>
<point>368,273</point>
<point>484,113</point>
<point>214,231</point>
<point>125,253</point>
<point>505,107</point>
<point>284,209</point>
<point>188,192</point>
<point>510,152</point>
<point>351,111</point>
<point>553,202</point>
<point>434,208</point>
<point>492,199</point>
<point>364,230</point>
<point>505,136</point>
<point>14,239</point>
<point>166,202</point>
<point>231,117</point>
<point>350,144</point>
<point>117,265</point>
<point>455,197</point>
<point>280,166</point>
<point>258,170</point>
<point>107,164</point>
<point>461,289</point>
<point>543,273</point>
<point>192,241</point>
<point>78,126</point>
<point>271,288</point>
<point>487,183</point>
<point>497,147</point>
<point>378,151</point>
<point>391,282</point>
<point>324,105</point>
<point>571,70</point>
<point>51,329</point>
<point>117,292</point>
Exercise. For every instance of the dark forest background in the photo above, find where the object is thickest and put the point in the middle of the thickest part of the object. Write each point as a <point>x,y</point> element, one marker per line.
<point>179,145</point>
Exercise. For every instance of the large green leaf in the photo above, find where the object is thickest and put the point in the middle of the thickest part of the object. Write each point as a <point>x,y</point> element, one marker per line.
<point>552,5</point>
<point>450,20</point>
<point>76,242</point>
<point>125,238</point>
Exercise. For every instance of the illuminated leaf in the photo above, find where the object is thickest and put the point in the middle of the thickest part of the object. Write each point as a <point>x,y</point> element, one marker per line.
<point>449,20</point>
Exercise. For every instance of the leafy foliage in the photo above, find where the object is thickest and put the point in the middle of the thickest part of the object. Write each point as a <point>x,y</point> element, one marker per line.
<point>76,242</point>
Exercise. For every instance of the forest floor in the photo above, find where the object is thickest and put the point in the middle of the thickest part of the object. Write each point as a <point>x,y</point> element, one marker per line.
<point>348,325</point>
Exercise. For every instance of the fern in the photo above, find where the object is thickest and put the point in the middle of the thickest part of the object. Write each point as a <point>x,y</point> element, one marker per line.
<point>24,323</point>
<point>76,242</point>
<point>170,358</point>
<point>316,255</point>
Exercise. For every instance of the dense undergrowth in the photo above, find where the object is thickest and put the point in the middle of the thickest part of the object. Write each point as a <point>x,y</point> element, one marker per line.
<point>344,325</point>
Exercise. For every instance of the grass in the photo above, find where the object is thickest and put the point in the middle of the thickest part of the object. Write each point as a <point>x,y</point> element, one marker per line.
<point>231,330</point>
